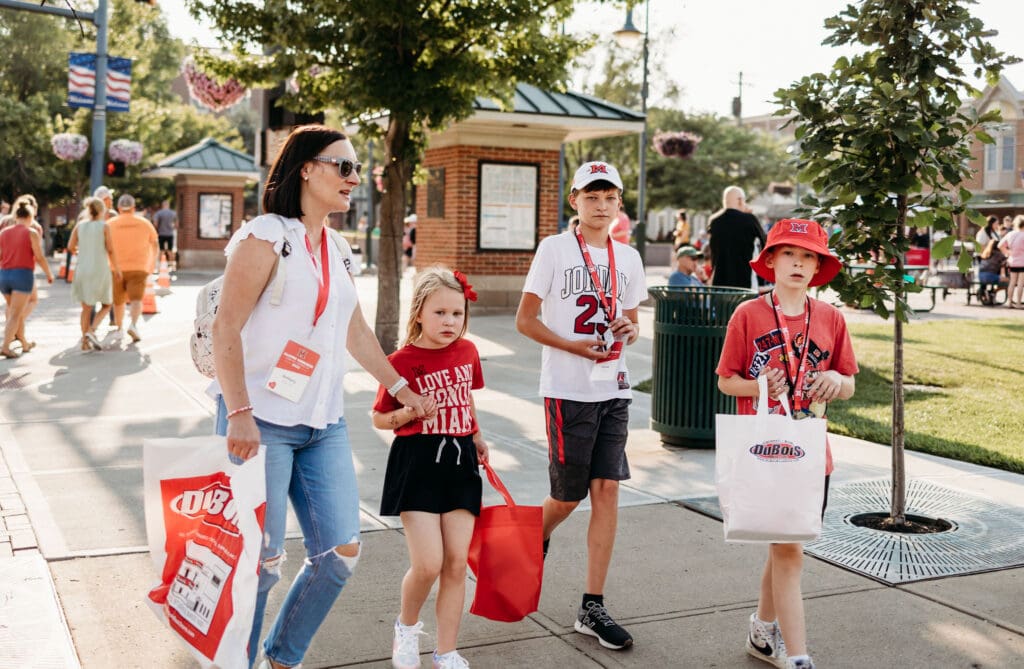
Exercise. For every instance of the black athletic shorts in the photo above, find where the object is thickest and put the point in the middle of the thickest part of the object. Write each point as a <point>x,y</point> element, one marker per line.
<point>166,242</point>
<point>586,441</point>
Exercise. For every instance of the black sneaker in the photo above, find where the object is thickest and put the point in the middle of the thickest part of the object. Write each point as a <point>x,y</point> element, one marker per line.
<point>595,621</point>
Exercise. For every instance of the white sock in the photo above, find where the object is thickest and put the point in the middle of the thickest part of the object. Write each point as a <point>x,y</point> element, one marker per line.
<point>800,658</point>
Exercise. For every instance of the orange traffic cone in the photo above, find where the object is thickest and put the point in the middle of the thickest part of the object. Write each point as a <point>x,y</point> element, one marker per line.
<point>149,297</point>
<point>71,270</point>
<point>164,279</point>
<point>62,271</point>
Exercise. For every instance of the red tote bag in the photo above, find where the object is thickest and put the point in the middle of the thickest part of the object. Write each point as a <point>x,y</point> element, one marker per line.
<point>507,557</point>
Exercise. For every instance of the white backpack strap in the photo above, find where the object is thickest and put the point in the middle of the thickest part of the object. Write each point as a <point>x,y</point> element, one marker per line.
<point>280,272</point>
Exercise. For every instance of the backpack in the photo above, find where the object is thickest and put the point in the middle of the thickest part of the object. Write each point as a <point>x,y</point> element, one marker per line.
<point>201,341</point>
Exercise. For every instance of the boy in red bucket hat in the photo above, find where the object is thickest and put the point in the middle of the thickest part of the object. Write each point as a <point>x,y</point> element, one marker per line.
<point>802,345</point>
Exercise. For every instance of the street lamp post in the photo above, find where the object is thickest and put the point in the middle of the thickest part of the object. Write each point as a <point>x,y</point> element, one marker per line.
<point>626,36</point>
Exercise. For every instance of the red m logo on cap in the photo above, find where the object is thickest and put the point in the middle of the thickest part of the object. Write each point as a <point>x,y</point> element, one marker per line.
<point>798,227</point>
<point>599,168</point>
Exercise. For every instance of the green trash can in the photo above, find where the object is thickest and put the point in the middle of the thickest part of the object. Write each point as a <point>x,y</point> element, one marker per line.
<point>689,330</point>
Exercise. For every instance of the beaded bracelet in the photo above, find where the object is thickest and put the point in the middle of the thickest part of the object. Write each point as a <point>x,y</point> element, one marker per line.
<point>247,407</point>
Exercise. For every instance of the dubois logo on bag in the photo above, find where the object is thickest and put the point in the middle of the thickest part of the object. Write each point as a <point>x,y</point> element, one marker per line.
<point>213,503</point>
<point>777,451</point>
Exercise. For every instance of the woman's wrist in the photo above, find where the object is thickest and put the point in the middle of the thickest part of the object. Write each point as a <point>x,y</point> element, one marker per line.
<point>239,411</point>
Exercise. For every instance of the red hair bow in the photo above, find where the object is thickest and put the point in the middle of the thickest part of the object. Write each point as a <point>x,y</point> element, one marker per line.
<point>467,289</point>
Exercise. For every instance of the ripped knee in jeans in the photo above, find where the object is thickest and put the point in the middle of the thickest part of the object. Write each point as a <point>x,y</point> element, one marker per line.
<point>343,558</point>
<point>270,571</point>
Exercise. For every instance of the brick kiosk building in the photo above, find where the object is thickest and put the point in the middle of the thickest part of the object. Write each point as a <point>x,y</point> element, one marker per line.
<point>494,185</point>
<point>998,184</point>
<point>209,180</point>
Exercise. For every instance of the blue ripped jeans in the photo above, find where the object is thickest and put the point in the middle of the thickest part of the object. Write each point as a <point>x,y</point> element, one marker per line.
<point>314,469</point>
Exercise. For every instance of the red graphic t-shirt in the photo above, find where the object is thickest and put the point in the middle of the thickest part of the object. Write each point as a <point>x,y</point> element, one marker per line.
<point>754,342</point>
<point>448,375</point>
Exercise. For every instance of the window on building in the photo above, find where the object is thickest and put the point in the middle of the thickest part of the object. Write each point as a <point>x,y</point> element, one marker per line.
<point>1008,144</point>
<point>991,153</point>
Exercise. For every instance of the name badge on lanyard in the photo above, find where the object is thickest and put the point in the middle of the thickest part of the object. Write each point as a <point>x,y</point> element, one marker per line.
<point>297,362</point>
<point>607,368</point>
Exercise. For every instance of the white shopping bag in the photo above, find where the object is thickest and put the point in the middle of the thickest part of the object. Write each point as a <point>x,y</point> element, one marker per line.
<point>770,472</point>
<point>204,522</point>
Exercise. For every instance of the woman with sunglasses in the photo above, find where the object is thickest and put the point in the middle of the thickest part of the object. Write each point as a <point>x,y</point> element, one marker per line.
<point>279,375</point>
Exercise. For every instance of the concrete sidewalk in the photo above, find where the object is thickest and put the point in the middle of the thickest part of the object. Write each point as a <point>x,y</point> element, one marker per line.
<point>70,493</point>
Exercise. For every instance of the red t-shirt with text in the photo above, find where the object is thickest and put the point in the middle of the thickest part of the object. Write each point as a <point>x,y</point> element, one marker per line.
<point>753,342</point>
<point>448,375</point>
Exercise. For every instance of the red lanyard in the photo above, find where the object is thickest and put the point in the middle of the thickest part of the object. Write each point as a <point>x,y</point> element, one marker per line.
<point>609,308</point>
<point>323,275</point>
<point>795,370</point>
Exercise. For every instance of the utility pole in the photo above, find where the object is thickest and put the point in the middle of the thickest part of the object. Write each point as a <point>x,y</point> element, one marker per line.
<point>99,114</point>
<point>737,103</point>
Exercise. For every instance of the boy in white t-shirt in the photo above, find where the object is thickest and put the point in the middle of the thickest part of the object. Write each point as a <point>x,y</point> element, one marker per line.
<point>585,287</point>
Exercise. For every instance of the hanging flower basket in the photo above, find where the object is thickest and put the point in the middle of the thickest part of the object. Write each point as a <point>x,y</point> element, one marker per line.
<point>69,146</point>
<point>207,91</point>
<point>125,151</point>
<point>680,144</point>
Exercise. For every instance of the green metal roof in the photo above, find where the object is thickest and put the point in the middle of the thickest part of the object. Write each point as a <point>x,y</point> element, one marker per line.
<point>532,100</point>
<point>209,156</point>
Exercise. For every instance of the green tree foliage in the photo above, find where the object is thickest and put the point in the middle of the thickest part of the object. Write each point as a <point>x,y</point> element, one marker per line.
<point>885,139</point>
<point>423,64</point>
<point>728,155</point>
<point>33,101</point>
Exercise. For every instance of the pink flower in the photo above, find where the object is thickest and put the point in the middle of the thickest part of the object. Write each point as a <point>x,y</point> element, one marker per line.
<point>125,151</point>
<point>680,144</point>
<point>69,146</point>
<point>209,92</point>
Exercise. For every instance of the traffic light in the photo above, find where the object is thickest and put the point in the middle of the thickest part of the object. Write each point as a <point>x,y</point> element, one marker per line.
<point>113,168</point>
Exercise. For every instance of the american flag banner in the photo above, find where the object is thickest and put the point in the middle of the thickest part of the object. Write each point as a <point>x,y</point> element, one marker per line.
<point>82,81</point>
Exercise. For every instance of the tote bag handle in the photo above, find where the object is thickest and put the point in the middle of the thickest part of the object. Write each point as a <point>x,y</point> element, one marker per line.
<point>762,398</point>
<point>498,485</point>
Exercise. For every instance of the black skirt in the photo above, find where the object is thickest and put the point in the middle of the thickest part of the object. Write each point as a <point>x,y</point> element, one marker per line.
<point>432,472</point>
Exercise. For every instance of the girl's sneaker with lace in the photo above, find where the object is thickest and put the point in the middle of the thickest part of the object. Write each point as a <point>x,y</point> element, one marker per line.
<point>764,641</point>
<point>450,660</point>
<point>405,650</point>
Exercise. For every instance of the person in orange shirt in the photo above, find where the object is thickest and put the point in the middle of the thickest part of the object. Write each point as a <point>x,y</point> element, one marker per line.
<point>135,246</point>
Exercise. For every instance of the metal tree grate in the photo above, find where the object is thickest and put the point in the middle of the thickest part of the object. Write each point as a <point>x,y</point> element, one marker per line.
<point>985,535</point>
<point>9,381</point>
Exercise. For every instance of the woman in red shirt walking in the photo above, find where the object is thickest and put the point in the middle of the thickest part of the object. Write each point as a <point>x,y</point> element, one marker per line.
<point>20,251</point>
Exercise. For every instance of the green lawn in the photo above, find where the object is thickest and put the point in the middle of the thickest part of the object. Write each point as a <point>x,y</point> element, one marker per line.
<point>963,379</point>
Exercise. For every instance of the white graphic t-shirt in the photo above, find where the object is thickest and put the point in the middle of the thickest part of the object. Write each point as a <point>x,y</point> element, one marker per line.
<point>571,309</point>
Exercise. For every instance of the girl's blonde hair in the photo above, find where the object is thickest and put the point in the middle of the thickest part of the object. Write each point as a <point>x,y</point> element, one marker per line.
<point>93,209</point>
<point>428,282</point>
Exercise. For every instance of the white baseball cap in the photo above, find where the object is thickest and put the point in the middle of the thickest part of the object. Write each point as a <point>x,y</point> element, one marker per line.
<point>593,171</point>
<point>102,192</point>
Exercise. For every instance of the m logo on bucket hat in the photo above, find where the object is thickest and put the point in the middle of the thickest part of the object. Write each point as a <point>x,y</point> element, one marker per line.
<point>803,234</point>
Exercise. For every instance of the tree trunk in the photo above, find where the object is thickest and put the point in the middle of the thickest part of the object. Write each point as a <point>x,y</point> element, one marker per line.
<point>899,472</point>
<point>397,170</point>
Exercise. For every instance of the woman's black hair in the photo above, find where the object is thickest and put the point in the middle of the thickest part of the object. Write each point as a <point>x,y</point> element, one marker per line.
<point>283,190</point>
<point>24,210</point>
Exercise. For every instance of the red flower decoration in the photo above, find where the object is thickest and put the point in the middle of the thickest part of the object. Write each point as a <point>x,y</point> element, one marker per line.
<point>467,289</point>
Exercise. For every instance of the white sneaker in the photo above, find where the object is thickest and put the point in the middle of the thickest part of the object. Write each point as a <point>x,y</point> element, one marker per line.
<point>764,641</point>
<point>405,650</point>
<point>93,341</point>
<point>265,664</point>
<point>801,663</point>
<point>133,332</point>
<point>450,660</point>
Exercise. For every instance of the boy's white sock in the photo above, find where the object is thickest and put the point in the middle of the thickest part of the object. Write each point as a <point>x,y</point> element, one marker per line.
<point>799,658</point>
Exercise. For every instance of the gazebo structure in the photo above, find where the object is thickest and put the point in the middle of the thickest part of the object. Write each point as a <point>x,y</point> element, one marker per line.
<point>209,180</point>
<point>495,183</point>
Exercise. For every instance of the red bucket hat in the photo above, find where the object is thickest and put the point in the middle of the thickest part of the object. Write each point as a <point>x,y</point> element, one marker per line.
<point>806,235</point>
